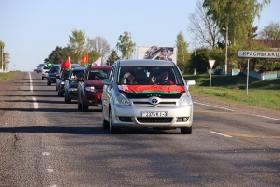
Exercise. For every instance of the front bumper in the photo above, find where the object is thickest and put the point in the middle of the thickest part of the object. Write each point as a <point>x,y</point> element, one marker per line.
<point>178,116</point>
<point>73,93</point>
<point>93,98</point>
<point>52,79</point>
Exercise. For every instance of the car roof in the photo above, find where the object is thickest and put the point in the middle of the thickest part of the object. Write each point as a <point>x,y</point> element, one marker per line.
<point>145,62</point>
<point>99,67</point>
<point>78,68</point>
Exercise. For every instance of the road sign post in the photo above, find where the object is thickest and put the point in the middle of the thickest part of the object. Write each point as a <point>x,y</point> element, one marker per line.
<point>211,64</point>
<point>248,72</point>
<point>256,54</point>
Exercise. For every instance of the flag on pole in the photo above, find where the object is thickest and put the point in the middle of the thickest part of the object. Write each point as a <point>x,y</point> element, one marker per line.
<point>84,59</point>
<point>97,62</point>
<point>66,64</point>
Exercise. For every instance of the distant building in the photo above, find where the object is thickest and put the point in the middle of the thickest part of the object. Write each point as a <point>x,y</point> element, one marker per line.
<point>272,44</point>
<point>155,52</point>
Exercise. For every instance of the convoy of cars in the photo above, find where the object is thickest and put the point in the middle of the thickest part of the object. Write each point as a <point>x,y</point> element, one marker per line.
<point>131,93</point>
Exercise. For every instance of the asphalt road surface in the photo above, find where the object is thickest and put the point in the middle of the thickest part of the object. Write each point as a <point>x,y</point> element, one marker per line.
<point>45,142</point>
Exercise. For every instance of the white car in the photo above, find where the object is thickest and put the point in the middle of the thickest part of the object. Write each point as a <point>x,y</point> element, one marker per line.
<point>45,72</point>
<point>147,93</point>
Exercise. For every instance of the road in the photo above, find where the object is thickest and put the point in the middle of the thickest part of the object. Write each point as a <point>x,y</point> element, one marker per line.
<point>45,142</point>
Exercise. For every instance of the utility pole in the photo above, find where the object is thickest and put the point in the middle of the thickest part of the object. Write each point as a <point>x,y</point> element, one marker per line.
<point>2,59</point>
<point>226,51</point>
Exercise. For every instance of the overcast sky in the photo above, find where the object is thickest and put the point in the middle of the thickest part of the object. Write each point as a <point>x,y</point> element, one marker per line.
<point>31,29</point>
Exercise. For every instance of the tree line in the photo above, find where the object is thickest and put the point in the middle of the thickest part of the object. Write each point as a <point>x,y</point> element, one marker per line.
<point>95,48</point>
<point>210,23</point>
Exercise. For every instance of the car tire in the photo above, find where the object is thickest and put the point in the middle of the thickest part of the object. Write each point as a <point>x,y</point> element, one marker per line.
<point>67,99</point>
<point>42,78</point>
<point>186,130</point>
<point>79,107</point>
<point>49,83</point>
<point>84,107</point>
<point>112,128</point>
<point>105,124</point>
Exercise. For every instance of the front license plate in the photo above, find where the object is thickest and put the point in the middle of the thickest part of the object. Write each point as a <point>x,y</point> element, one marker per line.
<point>153,114</point>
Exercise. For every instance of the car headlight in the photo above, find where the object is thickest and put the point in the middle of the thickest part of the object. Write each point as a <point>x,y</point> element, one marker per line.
<point>121,99</point>
<point>90,89</point>
<point>185,99</point>
<point>62,82</point>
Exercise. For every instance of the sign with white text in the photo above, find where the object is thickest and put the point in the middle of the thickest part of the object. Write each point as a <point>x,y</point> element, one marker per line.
<point>259,54</point>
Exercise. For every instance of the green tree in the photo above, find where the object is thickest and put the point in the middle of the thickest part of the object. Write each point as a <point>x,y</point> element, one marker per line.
<point>77,44</point>
<point>271,32</point>
<point>113,57</point>
<point>182,52</point>
<point>125,45</point>
<point>238,16</point>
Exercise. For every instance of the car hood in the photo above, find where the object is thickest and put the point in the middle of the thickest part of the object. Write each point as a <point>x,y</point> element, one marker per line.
<point>95,83</point>
<point>145,91</point>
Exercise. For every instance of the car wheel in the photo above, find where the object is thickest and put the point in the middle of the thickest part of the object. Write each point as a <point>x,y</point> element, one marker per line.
<point>49,83</point>
<point>42,78</point>
<point>113,130</point>
<point>105,124</point>
<point>186,130</point>
<point>67,99</point>
<point>84,107</point>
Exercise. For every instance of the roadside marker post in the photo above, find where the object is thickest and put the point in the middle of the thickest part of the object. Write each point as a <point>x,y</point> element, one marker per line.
<point>256,54</point>
<point>211,64</point>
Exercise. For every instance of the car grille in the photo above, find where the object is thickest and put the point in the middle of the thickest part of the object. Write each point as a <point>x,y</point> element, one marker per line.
<point>154,120</point>
<point>145,103</point>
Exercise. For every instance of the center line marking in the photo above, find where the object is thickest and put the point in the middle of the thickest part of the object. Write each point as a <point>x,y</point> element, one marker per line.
<point>50,170</point>
<point>225,135</point>
<point>31,81</point>
<point>46,153</point>
<point>35,104</point>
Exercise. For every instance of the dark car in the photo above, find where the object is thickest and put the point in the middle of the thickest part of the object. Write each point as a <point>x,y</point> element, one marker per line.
<point>71,84</point>
<point>53,74</point>
<point>90,90</point>
<point>60,82</point>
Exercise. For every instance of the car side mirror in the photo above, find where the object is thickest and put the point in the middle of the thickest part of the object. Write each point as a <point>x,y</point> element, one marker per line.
<point>80,79</point>
<point>107,82</point>
<point>191,82</point>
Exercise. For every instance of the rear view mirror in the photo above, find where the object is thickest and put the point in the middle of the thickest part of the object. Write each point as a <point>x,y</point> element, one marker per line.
<point>107,82</point>
<point>191,82</point>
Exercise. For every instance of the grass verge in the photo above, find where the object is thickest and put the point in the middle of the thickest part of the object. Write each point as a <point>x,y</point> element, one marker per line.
<point>261,93</point>
<point>7,76</point>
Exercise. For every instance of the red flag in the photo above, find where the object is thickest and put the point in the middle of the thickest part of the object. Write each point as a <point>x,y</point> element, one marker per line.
<point>84,59</point>
<point>66,64</point>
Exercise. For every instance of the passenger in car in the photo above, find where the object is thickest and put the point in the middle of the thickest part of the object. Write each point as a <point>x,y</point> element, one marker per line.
<point>128,78</point>
<point>163,78</point>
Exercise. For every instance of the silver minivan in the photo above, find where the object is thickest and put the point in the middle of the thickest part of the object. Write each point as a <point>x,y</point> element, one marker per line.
<point>147,93</point>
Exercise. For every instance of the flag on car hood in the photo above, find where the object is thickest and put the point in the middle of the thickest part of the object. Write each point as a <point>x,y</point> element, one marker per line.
<point>163,89</point>
<point>84,59</point>
<point>66,64</point>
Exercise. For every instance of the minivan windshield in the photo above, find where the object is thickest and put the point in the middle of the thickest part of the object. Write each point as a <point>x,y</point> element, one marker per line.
<point>149,75</point>
<point>98,74</point>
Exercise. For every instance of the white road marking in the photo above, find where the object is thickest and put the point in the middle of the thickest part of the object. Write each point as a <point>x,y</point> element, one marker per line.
<point>228,109</point>
<point>50,170</point>
<point>215,106</point>
<point>46,153</point>
<point>35,104</point>
<point>266,117</point>
<point>53,185</point>
<point>225,135</point>
<point>31,81</point>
